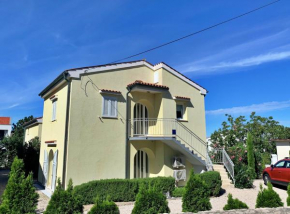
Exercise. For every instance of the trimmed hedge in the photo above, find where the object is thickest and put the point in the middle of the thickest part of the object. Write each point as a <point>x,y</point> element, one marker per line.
<point>178,192</point>
<point>213,180</point>
<point>104,207</point>
<point>121,190</point>
<point>234,204</point>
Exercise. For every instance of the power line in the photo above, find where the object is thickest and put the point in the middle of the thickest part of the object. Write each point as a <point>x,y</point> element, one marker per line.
<point>197,32</point>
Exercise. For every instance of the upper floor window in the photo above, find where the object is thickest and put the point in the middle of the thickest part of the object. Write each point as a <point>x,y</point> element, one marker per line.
<point>110,107</point>
<point>179,111</point>
<point>54,102</point>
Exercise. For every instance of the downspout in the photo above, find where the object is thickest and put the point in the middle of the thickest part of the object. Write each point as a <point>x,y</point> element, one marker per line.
<point>127,153</point>
<point>66,128</point>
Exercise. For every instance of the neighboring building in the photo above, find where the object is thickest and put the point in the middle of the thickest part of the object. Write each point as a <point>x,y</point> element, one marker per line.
<point>33,129</point>
<point>125,120</point>
<point>283,148</point>
<point>5,127</point>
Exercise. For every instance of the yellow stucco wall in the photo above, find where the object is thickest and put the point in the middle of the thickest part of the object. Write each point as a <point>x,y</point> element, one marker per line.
<point>53,130</point>
<point>32,132</point>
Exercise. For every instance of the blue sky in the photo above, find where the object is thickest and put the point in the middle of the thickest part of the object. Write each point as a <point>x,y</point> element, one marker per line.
<point>245,64</point>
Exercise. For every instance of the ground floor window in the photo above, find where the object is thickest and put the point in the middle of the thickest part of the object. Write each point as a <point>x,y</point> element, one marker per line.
<point>141,164</point>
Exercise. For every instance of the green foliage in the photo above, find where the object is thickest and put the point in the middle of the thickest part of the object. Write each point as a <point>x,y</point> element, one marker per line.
<point>268,198</point>
<point>243,178</point>
<point>14,144</point>
<point>178,192</point>
<point>150,201</point>
<point>64,201</point>
<point>121,189</point>
<point>19,196</point>
<point>196,196</point>
<point>213,180</point>
<point>288,198</point>
<point>250,154</point>
<point>104,207</point>
<point>234,204</point>
<point>31,156</point>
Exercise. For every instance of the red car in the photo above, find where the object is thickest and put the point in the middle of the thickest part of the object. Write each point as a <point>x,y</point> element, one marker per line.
<point>279,173</point>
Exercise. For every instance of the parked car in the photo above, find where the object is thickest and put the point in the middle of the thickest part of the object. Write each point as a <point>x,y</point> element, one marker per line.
<point>278,173</point>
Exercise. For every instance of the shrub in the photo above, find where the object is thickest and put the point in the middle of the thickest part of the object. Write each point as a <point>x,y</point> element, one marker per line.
<point>104,207</point>
<point>150,201</point>
<point>288,198</point>
<point>268,198</point>
<point>19,195</point>
<point>234,204</point>
<point>121,190</point>
<point>213,180</point>
<point>196,195</point>
<point>178,192</point>
<point>243,179</point>
<point>250,154</point>
<point>64,201</point>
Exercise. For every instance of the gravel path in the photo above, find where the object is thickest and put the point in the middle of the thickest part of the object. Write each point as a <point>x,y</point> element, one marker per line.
<point>248,196</point>
<point>3,179</point>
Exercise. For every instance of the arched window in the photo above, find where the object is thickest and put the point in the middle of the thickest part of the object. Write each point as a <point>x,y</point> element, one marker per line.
<point>141,164</point>
<point>140,119</point>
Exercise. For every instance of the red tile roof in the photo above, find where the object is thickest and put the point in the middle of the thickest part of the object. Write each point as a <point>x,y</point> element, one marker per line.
<point>4,120</point>
<point>183,98</point>
<point>110,91</point>
<point>140,82</point>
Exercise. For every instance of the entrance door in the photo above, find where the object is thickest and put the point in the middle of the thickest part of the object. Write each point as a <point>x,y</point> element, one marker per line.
<point>140,120</point>
<point>53,174</point>
<point>45,167</point>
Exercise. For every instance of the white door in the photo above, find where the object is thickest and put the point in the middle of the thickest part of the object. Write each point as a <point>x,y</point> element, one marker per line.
<point>54,168</point>
<point>45,167</point>
<point>140,119</point>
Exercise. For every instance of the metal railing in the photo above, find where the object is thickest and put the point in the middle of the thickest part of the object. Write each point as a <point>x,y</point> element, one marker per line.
<point>163,127</point>
<point>221,156</point>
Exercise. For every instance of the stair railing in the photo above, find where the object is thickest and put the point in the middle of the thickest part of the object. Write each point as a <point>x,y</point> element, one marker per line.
<point>221,156</point>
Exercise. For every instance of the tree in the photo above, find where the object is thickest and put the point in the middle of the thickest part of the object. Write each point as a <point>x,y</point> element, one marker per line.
<point>64,201</point>
<point>196,196</point>
<point>19,196</point>
<point>31,156</point>
<point>250,155</point>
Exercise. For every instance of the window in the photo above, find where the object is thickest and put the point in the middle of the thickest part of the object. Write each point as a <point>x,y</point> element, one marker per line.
<point>141,164</point>
<point>280,164</point>
<point>288,164</point>
<point>110,107</point>
<point>179,111</point>
<point>53,118</point>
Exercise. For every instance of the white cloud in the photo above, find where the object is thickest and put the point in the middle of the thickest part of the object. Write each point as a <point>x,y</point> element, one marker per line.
<point>263,107</point>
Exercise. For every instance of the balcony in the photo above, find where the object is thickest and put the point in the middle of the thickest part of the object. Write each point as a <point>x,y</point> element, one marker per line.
<point>166,128</point>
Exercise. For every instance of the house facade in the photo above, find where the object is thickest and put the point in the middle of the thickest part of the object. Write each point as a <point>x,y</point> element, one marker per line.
<point>5,127</point>
<point>33,129</point>
<point>283,148</point>
<point>126,120</point>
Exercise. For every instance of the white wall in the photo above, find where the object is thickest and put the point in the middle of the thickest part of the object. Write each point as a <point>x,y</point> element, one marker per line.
<point>283,149</point>
<point>7,128</point>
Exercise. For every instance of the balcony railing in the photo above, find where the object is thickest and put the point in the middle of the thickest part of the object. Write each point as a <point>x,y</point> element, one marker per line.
<point>167,128</point>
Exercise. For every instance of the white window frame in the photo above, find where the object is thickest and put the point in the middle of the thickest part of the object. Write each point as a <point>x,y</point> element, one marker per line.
<point>110,98</point>
<point>182,112</point>
<point>54,106</point>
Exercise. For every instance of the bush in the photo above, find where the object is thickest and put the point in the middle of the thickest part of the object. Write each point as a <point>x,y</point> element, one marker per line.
<point>243,179</point>
<point>213,180</point>
<point>121,190</point>
<point>19,195</point>
<point>150,201</point>
<point>196,195</point>
<point>250,155</point>
<point>104,207</point>
<point>234,204</point>
<point>64,201</point>
<point>268,197</point>
<point>288,198</point>
<point>178,192</point>
<point>31,156</point>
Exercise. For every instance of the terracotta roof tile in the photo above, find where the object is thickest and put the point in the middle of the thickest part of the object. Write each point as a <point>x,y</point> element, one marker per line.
<point>140,82</point>
<point>110,91</point>
<point>183,98</point>
<point>4,120</point>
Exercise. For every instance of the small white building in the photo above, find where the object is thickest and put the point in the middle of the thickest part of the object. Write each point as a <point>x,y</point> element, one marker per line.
<point>5,127</point>
<point>283,148</point>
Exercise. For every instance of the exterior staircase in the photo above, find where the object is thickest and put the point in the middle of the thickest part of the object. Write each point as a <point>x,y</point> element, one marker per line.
<point>226,181</point>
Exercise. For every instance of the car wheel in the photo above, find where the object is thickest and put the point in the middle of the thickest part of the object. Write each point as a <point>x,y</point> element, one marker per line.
<point>266,179</point>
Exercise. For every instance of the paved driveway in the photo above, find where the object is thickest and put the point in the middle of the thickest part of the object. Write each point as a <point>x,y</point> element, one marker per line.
<point>3,179</point>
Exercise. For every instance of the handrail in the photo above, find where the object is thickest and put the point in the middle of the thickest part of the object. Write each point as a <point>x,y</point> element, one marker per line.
<point>167,127</point>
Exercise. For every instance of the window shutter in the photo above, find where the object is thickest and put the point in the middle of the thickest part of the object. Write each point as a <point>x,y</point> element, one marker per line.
<point>106,107</point>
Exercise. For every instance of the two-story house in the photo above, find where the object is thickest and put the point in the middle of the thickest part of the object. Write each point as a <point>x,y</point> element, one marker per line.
<point>124,120</point>
<point>32,129</point>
